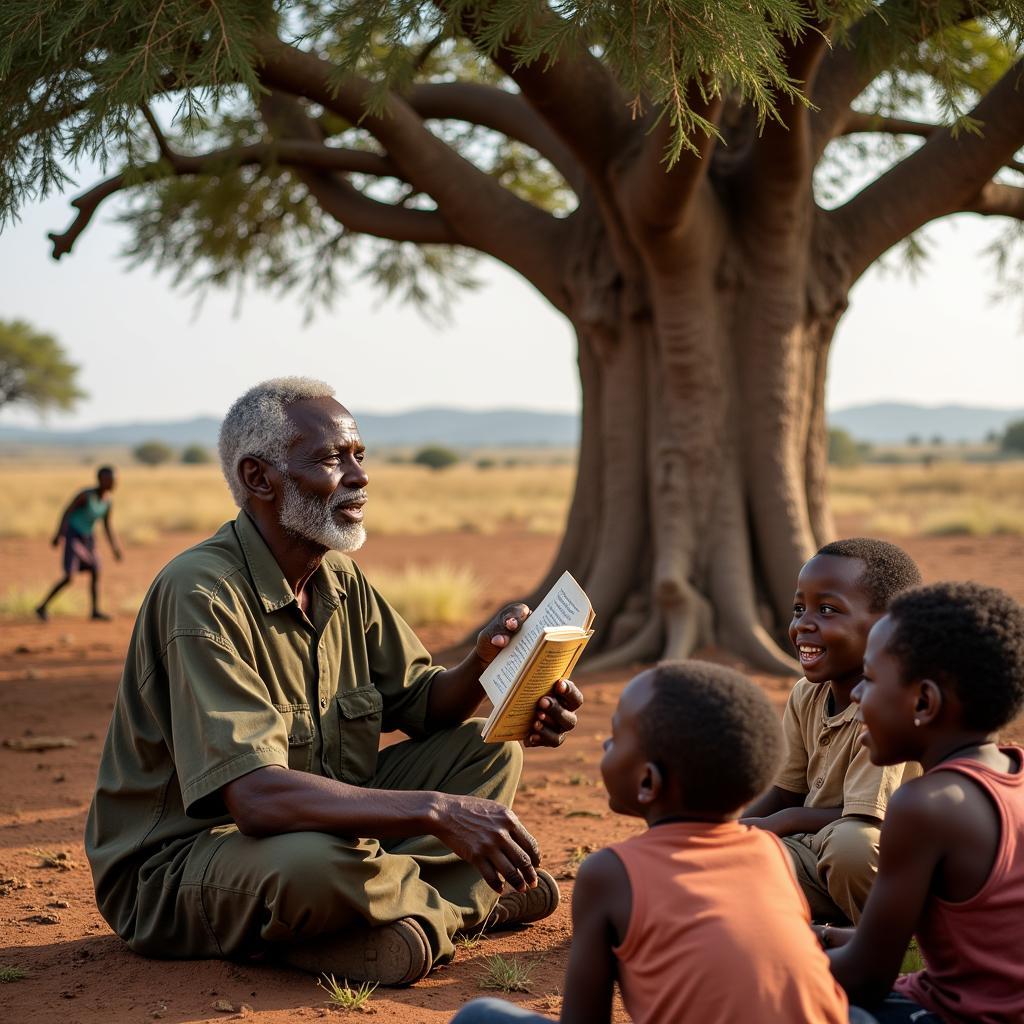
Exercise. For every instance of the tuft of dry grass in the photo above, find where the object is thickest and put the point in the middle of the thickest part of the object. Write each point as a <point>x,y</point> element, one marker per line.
<point>342,996</point>
<point>9,973</point>
<point>506,974</point>
<point>436,594</point>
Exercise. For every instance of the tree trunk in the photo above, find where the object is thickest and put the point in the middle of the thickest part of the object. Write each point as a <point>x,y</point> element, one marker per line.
<point>701,483</point>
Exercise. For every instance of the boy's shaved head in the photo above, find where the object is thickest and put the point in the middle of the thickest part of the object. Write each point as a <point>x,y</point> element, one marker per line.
<point>888,569</point>
<point>713,732</point>
<point>969,638</point>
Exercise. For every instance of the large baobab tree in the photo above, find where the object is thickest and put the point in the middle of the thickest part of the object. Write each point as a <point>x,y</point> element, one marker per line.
<point>659,171</point>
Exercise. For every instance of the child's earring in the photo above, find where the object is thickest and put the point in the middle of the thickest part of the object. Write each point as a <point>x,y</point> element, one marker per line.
<point>917,722</point>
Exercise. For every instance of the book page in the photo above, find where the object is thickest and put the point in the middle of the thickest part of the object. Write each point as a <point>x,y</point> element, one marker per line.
<point>552,660</point>
<point>565,604</point>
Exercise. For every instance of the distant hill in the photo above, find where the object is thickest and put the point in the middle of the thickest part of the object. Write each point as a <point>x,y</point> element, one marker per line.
<point>879,423</point>
<point>455,427</point>
<point>894,422</point>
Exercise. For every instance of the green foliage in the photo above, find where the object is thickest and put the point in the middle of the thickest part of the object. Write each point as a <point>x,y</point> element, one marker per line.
<point>435,457</point>
<point>844,450</point>
<point>152,453</point>
<point>34,369</point>
<point>1013,438</point>
<point>77,81</point>
<point>196,455</point>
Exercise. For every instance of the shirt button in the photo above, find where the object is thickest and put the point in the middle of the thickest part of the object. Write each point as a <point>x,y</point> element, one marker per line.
<point>323,703</point>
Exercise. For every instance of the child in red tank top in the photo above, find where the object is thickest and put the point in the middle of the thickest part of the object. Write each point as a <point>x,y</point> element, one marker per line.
<point>699,919</point>
<point>943,672</point>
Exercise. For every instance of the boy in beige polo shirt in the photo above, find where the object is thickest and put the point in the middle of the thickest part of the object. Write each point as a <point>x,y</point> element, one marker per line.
<point>828,800</point>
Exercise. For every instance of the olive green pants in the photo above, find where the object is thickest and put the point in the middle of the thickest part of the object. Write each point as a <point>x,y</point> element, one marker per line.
<point>239,895</point>
<point>836,867</point>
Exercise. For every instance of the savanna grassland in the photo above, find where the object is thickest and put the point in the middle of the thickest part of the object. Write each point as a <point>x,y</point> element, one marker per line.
<point>447,547</point>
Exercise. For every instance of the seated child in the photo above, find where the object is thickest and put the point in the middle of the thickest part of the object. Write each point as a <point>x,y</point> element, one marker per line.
<point>944,670</point>
<point>698,918</point>
<point>829,800</point>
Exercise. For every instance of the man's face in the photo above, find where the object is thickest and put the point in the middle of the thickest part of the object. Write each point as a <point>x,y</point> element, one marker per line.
<point>106,481</point>
<point>324,483</point>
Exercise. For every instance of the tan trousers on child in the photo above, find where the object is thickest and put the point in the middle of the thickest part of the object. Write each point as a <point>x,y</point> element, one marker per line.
<point>836,867</point>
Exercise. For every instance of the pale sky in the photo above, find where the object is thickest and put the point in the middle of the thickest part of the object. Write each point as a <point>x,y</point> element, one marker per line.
<point>145,355</point>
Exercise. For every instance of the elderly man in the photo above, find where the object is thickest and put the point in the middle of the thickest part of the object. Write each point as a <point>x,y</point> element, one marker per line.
<point>242,804</point>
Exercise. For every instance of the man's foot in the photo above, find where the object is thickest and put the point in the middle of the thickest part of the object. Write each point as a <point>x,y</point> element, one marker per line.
<point>515,908</point>
<point>41,614</point>
<point>100,617</point>
<point>391,954</point>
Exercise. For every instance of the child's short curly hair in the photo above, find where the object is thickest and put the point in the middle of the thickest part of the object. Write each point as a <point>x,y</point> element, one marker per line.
<point>714,732</point>
<point>888,569</point>
<point>967,637</point>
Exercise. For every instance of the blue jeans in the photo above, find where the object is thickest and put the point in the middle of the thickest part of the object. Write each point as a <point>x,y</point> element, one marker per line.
<point>899,1009</point>
<point>497,1011</point>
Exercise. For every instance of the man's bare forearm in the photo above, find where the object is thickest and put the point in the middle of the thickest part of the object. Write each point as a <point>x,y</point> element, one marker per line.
<point>273,800</point>
<point>456,692</point>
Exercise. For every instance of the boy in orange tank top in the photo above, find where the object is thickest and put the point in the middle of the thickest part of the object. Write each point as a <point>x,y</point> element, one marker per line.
<point>699,919</point>
<point>943,672</point>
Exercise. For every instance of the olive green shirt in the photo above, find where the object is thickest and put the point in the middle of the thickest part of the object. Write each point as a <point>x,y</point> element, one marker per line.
<point>225,674</point>
<point>826,760</point>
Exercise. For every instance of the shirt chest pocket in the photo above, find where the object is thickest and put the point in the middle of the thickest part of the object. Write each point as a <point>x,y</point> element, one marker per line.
<point>359,719</point>
<point>299,723</point>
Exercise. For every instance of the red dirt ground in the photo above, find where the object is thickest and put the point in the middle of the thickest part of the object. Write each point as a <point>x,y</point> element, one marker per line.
<point>59,679</point>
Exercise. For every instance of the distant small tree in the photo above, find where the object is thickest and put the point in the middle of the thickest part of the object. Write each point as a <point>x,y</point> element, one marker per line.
<point>435,457</point>
<point>992,437</point>
<point>844,450</point>
<point>914,441</point>
<point>196,455</point>
<point>937,440</point>
<point>1013,438</point>
<point>153,453</point>
<point>34,369</point>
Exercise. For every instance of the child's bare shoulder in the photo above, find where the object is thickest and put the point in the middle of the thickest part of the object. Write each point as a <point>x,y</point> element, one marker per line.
<point>936,802</point>
<point>601,871</point>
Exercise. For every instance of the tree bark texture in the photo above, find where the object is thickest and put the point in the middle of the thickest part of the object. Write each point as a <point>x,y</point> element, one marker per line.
<point>701,467</point>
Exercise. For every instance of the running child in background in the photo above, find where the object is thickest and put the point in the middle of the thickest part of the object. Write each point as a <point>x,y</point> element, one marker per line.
<point>944,671</point>
<point>829,800</point>
<point>77,528</point>
<point>698,918</point>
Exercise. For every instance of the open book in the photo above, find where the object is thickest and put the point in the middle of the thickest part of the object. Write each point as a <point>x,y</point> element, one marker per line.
<point>546,649</point>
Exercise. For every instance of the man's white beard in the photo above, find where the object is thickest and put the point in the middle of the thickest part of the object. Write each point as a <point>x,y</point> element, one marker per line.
<point>312,519</point>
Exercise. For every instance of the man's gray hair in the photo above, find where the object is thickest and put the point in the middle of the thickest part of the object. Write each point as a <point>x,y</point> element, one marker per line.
<point>257,424</point>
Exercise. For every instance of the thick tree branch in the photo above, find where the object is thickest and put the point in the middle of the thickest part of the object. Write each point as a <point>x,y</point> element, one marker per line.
<point>578,97</point>
<point>658,196</point>
<point>852,66</point>
<point>998,200</point>
<point>413,225</point>
<point>481,213</point>
<point>858,123</point>
<point>499,110</point>
<point>783,153</point>
<point>939,178</point>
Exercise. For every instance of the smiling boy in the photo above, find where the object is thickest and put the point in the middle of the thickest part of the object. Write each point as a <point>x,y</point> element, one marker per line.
<point>828,801</point>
